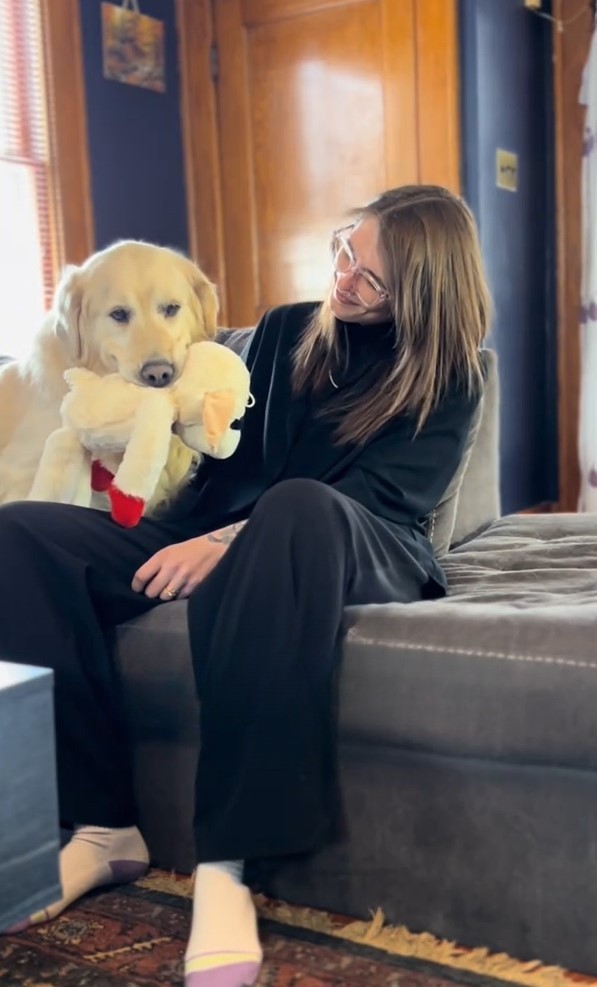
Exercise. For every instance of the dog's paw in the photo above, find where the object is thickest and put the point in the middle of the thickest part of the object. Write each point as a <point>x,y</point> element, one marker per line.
<point>101,478</point>
<point>127,511</point>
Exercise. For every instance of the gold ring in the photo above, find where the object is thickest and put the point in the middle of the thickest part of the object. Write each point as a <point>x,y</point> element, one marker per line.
<point>171,593</point>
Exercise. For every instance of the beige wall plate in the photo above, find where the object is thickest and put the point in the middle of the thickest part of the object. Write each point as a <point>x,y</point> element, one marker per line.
<point>506,170</point>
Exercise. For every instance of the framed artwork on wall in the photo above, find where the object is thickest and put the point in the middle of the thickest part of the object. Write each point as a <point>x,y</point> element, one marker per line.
<point>133,47</point>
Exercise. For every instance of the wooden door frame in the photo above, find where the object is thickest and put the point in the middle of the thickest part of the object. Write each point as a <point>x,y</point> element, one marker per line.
<point>195,27</point>
<point>438,119</point>
<point>67,129</point>
<point>568,57</point>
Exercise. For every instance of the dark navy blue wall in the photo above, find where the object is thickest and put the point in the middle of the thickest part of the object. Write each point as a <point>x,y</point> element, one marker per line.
<point>135,143</point>
<point>506,86</point>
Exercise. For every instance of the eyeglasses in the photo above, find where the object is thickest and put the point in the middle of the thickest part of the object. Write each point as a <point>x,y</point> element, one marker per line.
<point>367,288</point>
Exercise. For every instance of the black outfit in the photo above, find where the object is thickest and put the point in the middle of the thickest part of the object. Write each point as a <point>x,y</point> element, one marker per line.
<point>328,526</point>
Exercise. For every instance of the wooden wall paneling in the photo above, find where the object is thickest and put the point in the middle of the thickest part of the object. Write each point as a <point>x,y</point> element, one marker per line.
<point>194,22</point>
<point>273,156</point>
<point>236,164</point>
<point>571,49</point>
<point>438,115</point>
<point>398,21</point>
<point>69,152</point>
<point>254,12</point>
<point>317,110</point>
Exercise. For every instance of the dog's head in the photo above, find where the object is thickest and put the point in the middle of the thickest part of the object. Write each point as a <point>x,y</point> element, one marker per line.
<point>135,308</point>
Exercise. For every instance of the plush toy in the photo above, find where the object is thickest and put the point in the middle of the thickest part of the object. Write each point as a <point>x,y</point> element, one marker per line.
<point>115,435</point>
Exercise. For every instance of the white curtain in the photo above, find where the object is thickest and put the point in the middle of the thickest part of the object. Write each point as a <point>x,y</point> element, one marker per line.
<point>588,307</point>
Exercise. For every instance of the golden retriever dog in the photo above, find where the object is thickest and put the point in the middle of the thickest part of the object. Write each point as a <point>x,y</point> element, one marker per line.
<point>134,308</point>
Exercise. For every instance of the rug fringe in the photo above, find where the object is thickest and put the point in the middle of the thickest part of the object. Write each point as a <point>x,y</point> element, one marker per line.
<point>396,940</point>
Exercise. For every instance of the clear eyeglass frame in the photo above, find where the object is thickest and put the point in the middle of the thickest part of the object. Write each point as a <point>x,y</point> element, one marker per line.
<point>369,290</point>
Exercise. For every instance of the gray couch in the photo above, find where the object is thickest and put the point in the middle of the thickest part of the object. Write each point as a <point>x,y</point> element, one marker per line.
<point>468,742</point>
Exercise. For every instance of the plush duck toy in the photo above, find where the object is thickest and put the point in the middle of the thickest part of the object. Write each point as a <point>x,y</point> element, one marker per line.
<point>115,435</point>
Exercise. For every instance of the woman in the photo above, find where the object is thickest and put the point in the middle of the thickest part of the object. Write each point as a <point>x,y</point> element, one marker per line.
<point>363,406</point>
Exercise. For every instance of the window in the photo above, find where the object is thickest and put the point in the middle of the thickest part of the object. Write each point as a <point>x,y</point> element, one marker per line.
<point>28,259</point>
<point>45,207</point>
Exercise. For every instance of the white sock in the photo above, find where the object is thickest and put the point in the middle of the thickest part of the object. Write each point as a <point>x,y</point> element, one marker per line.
<point>223,949</point>
<point>94,857</point>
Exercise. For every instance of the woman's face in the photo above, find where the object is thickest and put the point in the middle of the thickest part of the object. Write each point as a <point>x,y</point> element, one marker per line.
<point>358,265</point>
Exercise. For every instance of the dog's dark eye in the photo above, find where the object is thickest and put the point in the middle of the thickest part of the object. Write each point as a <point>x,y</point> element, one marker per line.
<point>170,310</point>
<point>120,315</point>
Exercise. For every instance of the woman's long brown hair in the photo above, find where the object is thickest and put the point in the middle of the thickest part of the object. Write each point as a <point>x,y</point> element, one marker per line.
<point>440,305</point>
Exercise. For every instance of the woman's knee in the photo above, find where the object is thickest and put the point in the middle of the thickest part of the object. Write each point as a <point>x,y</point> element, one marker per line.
<point>297,494</point>
<point>301,502</point>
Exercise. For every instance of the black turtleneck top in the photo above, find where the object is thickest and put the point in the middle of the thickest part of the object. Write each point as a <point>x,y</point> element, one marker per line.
<point>396,475</point>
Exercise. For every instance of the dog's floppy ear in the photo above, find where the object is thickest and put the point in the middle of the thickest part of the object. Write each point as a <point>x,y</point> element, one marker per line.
<point>207,298</point>
<point>68,312</point>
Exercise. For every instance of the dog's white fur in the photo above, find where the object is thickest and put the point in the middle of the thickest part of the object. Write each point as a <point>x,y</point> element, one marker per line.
<point>138,278</point>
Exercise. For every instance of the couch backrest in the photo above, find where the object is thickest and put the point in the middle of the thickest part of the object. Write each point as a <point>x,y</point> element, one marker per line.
<point>472,499</point>
<point>236,339</point>
<point>479,494</point>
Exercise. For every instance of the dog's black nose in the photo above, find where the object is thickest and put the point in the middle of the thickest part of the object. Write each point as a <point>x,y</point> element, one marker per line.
<point>157,373</point>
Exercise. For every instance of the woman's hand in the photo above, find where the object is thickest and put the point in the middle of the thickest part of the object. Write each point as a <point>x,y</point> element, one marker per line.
<point>174,572</point>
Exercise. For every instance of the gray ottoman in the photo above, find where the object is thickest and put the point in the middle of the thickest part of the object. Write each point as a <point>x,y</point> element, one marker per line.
<point>29,837</point>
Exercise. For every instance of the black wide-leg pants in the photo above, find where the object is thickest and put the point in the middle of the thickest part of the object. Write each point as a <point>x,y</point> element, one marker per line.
<point>265,629</point>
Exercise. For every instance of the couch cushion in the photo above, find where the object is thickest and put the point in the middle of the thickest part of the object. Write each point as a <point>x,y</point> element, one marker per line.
<point>505,667</point>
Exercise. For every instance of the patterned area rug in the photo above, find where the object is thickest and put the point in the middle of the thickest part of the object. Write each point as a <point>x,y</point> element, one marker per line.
<point>135,937</point>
